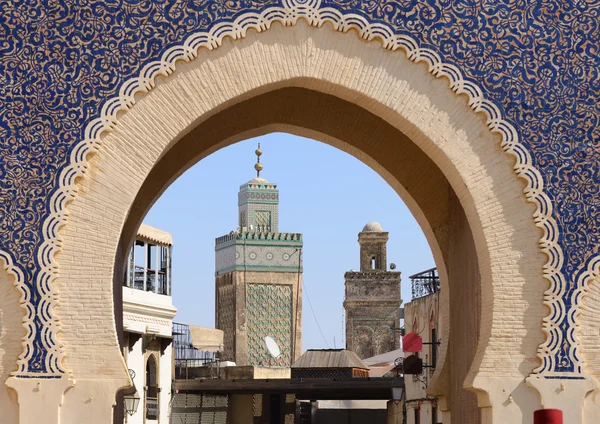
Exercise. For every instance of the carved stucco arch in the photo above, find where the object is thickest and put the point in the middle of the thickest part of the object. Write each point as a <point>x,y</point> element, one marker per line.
<point>572,299</point>
<point>291,11</point>
<point>289,14</point>
<point>133,128</point>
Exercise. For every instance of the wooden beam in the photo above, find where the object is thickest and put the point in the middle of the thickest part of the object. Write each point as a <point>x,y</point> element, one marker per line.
<point>315,388</point>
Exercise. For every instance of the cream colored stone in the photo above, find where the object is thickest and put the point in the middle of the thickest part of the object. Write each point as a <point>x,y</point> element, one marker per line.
<point>11,332</point>
<point>90,400</point>
<point>566,395</point>
<point>41,400</point>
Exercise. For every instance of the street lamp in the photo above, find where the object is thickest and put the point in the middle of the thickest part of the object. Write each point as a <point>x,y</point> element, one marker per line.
<point>131,399</point>
<point>132,402</point>
<point>397,393</point>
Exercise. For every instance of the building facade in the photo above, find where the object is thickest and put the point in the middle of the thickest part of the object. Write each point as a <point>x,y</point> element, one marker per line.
<point>258,279</point>
<point>372,298</point>
<point>148,314</point>
<point>422,316</point>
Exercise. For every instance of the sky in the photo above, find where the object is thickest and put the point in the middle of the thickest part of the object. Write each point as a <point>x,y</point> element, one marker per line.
<point>324,193</point>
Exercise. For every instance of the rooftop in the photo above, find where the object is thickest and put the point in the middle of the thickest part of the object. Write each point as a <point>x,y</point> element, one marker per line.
<point>372,227</point>
<point>258,180</point>
<point>329,358</point>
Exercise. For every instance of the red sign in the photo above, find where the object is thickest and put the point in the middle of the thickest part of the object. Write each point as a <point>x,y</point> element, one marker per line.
<point>548,416</point>
<point>412,342</point>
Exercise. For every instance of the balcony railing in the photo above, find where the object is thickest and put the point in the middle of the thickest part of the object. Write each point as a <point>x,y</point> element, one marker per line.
<point>155,281</point>
<point>152,411</point>
<point>191,363</point>
<point>425,283</point>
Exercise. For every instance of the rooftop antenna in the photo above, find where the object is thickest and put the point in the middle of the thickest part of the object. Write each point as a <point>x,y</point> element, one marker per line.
<point>258,165</point>
<point>272,347</point>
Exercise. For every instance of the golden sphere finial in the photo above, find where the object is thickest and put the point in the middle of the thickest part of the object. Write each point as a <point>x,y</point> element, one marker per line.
<point>258,165</point>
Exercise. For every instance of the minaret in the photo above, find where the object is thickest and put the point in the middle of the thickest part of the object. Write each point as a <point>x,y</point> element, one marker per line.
<point>258,203</point>
<point>372,299</point>
<point>258,278</point>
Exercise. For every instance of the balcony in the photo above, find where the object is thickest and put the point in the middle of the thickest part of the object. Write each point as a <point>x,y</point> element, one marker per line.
<point>191,363</point>
<point>425,283</point>
<point>150,280</point>
<point>152,411</point>
<point>149,268</point>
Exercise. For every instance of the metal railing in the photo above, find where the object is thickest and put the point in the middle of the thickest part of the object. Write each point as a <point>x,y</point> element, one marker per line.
<point>152,410</point>
<point>156,281</point>
<point>425,283</point>
<point>190,363</point>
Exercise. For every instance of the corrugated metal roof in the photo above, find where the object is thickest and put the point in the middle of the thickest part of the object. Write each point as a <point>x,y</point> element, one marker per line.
<point>329,358</point>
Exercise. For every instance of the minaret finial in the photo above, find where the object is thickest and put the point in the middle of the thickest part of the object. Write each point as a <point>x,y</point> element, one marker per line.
<point>258,165</point>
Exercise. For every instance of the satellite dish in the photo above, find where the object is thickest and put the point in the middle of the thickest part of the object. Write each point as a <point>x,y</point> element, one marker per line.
<point>392,266</point>
<point>272,347</point>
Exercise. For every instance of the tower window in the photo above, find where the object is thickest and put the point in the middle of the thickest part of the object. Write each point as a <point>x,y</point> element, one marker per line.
<point>373,263</point>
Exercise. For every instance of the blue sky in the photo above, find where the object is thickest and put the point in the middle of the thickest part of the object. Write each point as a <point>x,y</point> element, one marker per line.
<point>322,195</point>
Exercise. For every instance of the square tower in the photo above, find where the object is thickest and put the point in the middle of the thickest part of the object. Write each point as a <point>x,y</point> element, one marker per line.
<point>258,205</point>
<point>373,248</point>
<point>258,278</point>
<point>372,298</point>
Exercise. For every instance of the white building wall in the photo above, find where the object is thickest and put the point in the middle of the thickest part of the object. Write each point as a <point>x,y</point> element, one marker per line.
<point>148,318</point>
<point>147,315</point>
<point>135,362</point>
<point>166,372</point>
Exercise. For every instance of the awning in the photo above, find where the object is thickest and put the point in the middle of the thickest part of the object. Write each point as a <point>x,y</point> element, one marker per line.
<point>206,339</point>
<point>155,235</point>
<point>381,364</point>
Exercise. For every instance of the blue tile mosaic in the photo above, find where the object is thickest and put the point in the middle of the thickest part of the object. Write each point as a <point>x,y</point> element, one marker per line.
<point>61,61</point>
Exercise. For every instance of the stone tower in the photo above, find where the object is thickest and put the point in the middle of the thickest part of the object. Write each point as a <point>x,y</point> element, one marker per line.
<point>258,280</point>
<point>372,300</point>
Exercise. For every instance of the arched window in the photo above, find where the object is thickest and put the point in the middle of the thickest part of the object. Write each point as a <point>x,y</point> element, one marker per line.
<point>152,411</point>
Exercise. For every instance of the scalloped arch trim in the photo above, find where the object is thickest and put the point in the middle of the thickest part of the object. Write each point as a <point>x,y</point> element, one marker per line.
<point>288,15</point>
